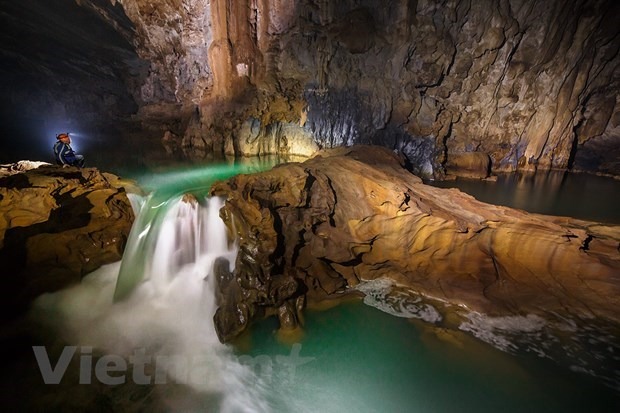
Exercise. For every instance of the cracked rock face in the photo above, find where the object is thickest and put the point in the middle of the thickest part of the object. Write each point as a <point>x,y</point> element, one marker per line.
<point>315,229</point>
<point>529,84</point>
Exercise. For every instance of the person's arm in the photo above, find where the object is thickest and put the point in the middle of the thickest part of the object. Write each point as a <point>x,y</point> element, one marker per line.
<point>58,146</point>
<point>65,154</point>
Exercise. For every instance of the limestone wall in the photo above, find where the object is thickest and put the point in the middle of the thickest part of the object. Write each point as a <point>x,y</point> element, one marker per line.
<point>531,84</point>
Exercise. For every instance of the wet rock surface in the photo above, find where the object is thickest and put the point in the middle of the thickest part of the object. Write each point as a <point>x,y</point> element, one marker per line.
<point>56,225</point>
<point>312,230</point>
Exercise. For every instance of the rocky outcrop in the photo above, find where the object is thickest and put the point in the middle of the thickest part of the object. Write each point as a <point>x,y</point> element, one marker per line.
<point>469,165</point>
<point>57,224</point>
<point>19,167</point>
<point>314,229</point>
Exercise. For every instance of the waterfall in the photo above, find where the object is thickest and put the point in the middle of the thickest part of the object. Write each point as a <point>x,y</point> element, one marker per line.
<point>184,247</point>
<point>166,313</point>
<point>156,212</point>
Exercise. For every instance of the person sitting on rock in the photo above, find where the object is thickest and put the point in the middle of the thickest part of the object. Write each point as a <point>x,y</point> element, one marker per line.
<point>64,154</point>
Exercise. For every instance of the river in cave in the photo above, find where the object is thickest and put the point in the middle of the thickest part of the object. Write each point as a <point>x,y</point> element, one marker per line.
<point>371,356</point>
<point>577,195</point>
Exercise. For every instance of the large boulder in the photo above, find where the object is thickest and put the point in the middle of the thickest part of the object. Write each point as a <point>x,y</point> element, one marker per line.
<point>57,224</point>
<point>317,228</point>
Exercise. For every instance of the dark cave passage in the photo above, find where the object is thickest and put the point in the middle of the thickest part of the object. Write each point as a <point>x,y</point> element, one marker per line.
<point>63,69</point>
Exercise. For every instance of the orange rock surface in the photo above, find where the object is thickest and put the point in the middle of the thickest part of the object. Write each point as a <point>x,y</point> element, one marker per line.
<point>56,225</point>
<point>354,214</point>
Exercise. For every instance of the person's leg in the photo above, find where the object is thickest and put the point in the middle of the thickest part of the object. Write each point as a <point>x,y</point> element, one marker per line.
<point>79,161</point>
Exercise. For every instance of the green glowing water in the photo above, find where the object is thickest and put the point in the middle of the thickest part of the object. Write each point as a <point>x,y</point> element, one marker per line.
<point>359,359</point>
<point>350,358</point>
<point>164,188</point>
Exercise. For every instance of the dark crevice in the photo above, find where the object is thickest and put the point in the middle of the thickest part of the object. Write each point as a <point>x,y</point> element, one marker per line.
<point>17,181</point>
<point>585,246</point>
<point>350,263</point>
<point>569,237</point>
<point>574,143</point>
<point>300,244</point>
<point>405,204</point>
<point>310,179</point>
<point>276,258</point>
<point>444,148</point>
<point>332,222</point>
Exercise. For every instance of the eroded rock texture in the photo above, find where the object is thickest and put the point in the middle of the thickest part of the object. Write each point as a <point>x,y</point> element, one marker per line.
<point>312,230</point>
<point>57,224</point>
<point>530,84</point>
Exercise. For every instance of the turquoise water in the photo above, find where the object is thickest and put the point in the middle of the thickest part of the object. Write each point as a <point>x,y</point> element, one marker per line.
<point>357,358</point>
<point>164,188</point>
<point>365,360</point>
<point>350,358</point>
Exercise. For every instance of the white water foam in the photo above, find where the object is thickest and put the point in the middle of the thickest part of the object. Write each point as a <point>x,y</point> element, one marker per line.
<point>581,345</point>
<point>169,316</point>
<point>398,301</point>
<point>497,330</point>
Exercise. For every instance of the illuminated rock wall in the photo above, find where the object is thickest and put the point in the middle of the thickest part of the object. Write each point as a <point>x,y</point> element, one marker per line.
<point>56,225</point>
<point>530,84</point>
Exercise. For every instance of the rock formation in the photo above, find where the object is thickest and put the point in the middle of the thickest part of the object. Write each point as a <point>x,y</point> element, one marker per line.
<point>311,230</point>
<point>528,84</point>
<point>56,225</point>
<point>19,167</point>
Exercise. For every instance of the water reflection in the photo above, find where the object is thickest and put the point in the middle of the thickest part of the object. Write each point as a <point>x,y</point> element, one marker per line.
<point>561,193</point>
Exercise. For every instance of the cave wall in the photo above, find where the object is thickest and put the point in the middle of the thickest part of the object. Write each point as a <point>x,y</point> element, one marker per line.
<point>62,69</point>
<point>531,84</point>
<point>527,84</point>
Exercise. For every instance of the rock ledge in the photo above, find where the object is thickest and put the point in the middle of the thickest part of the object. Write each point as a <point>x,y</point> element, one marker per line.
<point>57,224</point>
